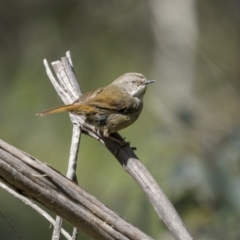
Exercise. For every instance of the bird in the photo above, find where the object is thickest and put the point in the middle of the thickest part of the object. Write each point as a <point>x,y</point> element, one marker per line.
<point>110,108</point>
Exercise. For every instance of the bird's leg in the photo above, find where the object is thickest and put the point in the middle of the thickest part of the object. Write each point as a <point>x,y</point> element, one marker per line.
<point>120,142</point>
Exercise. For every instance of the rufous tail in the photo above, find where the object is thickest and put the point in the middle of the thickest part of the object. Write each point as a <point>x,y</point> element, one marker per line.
<point>65,108</point>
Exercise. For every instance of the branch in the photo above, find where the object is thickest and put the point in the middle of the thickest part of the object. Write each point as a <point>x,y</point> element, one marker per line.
<point>28,176</point>
<point>68,91</point>
<point>66,73</point>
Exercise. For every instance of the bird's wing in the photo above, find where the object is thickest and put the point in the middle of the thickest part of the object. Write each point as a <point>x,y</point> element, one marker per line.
<point>88,95</point>
<point>113,100</point>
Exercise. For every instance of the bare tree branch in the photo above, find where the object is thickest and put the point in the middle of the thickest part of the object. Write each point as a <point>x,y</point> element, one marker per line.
<point>81,209</point>
<point>127,159</point>
<point>30,177</point>
<point>64,76</point>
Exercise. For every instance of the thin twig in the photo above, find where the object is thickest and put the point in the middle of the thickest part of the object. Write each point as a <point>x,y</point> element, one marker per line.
<point>31,203</point>
<point>11,226</point>
<point>72,163</point>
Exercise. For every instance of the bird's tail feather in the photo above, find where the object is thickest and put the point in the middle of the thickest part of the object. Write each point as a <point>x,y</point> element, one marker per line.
<point>65,108</point>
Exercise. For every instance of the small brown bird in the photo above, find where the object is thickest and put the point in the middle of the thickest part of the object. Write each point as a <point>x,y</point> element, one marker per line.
<point>111,108</point>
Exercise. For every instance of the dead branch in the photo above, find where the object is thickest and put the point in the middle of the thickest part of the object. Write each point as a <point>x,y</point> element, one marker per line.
<point>126,158</point>
<point>89,220</point>
<point>43,184</point>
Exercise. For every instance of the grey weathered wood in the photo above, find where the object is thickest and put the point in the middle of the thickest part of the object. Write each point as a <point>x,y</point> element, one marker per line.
<point>67,80</point>
<point>45,185</point>
<point>136,169</point>
<point>127,159</point>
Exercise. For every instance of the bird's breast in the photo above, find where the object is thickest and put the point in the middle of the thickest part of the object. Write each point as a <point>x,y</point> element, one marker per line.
<point>115,122</point>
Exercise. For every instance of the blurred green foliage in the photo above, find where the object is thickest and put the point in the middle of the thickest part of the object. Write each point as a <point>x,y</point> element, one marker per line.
<point>196,163</point>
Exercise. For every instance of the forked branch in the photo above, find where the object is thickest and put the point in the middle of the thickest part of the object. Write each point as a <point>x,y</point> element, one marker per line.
<point>82,210</point>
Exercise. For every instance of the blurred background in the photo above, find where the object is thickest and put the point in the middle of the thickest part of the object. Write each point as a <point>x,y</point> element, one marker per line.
<point>188,135</point>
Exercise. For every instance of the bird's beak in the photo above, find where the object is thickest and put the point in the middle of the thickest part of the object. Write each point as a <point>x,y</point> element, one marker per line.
<point>149,81</point>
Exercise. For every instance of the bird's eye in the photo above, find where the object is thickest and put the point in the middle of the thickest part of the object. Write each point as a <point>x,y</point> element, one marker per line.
<point>133,82</point>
